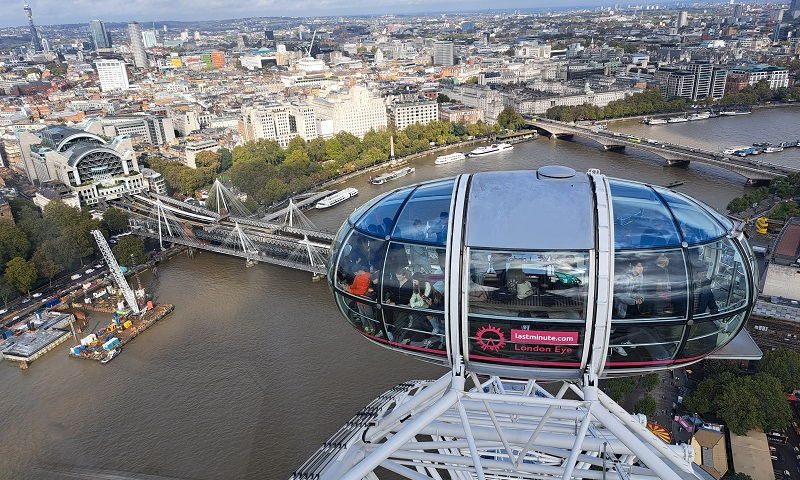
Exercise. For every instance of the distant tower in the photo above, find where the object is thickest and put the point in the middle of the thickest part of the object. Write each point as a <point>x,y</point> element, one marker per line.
<point>36,42</point>
<point>137,45</point>
<point>100,36</point>
<point>683,19</point>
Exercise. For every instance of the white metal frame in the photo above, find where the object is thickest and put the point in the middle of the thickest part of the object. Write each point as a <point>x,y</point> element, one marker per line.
<point>501,429</point>
<point>116,273</point>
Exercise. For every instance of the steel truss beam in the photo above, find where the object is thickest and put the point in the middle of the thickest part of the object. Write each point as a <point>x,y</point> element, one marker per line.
<point>497,429</point>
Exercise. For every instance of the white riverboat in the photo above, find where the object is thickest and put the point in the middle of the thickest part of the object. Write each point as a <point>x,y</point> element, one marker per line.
<point>336,198</point>
<point>493,148</point>
<point>453,157</point>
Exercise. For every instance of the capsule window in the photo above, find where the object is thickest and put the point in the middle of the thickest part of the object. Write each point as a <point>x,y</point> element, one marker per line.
<point>359,266</point>
<point>719,278</point>
<point>649,285</point>
<point>640,218</point>
<point>707,335</point>
<point>631,344</point>
<point>529,284</point>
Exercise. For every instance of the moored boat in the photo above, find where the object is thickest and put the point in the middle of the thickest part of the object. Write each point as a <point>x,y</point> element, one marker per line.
<point>387,177</point>
<point>655,121</point>
<point>731,113</point>
<point>677,120</point>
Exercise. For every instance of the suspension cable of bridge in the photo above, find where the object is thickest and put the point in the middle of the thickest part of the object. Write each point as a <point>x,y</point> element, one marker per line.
<point>223,201</point>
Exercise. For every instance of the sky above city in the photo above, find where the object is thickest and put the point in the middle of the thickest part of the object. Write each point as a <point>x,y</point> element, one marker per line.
<point>48,12</point>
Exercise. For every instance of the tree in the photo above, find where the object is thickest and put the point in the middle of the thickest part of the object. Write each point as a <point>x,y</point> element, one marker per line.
<point>650,381</point>
<point>617,388</point>
<point>208,160</point>
<point>442,98</point>
<point>225,159</point>
<point>510,119</point>
<point>784,365</point>
<point>46,266</point>
<point>316,150</point>
<point>130,248</point>
<point>742,402</point>
<point>116,220</point>
<point>646,405</point>
<point>737,476</point>
<point>20,274</point>
<point>6,291</point>
<point>13,242</point>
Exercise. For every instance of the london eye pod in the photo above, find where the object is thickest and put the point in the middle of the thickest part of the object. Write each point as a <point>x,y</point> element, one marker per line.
<point>545,274</point>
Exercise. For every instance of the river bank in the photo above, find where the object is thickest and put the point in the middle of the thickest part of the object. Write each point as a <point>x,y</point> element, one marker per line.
<point>401,160</point>
<point>672,114</point>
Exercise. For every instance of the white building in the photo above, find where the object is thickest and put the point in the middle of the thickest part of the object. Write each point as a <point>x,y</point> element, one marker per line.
<point>193,148</point>
<point>137,45</point>
<point>149,38</point>
<point>279,122</point>
<point>443,53</point>
<point>112,74</point>
<point>145,128</point>
<point>404,114</point>
<point>92,168</point>
<point>357,112</point>
<point>776,77</point>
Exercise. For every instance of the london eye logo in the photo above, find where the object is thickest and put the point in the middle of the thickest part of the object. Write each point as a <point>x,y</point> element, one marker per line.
<point>490,338</point>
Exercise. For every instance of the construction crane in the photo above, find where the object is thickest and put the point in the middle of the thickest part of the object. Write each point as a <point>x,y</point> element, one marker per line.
<point>116,272</point>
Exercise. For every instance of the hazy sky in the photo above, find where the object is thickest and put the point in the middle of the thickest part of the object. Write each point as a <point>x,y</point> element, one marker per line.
<point>47,12</point>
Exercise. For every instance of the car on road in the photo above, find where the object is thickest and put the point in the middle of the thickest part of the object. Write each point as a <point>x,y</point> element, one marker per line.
<point>25,300</point>
<point>75,277</point>
<point>16,317</point>
<point>3,311</point>
<point>98,265</point>
<point>89,270</point>
<point>36,295</point>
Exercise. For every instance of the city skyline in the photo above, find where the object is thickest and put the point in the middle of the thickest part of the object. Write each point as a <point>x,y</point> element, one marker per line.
<point>51,12</point>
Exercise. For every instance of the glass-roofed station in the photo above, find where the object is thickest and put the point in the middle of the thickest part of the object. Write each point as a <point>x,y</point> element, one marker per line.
<point>545,273</point>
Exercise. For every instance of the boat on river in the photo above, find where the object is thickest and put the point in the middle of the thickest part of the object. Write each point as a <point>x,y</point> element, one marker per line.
<point>453,157</point>
<point>336,198</point>
<point>493,148</point>
<point>388,177</point>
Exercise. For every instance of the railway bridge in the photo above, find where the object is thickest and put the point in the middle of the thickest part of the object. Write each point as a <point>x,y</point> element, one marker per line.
<point>224,225</point>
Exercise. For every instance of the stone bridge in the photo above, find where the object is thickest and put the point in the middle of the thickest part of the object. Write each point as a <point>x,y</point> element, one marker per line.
<point>753,171</point>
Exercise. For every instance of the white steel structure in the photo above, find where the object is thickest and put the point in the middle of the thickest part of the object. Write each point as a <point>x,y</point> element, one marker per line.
<point>536,293</point>
<point>116,273</point>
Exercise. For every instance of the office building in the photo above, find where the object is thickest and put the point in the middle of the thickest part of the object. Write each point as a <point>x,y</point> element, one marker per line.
<point>149,38</point>
<point>794,9</point>
<point>100,37</point>
<point>280,123</point>
<point>776,77</point>
<point>217,59</point>
<point>683,19</point>
<point>137,45</point>
<point>460,114</point>
<point>404,114</point>
<point>675,82</point>
<point>141,128</point>
<point>357,112</point>
<point>193,148</point>
<point>443,53</point>
<point>112,74</point>
<point>709,80</point>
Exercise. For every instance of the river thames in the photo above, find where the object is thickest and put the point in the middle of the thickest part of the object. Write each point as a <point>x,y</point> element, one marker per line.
<point>256,367</point>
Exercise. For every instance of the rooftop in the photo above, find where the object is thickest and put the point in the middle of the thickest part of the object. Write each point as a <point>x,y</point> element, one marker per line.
<point>787,248</point>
